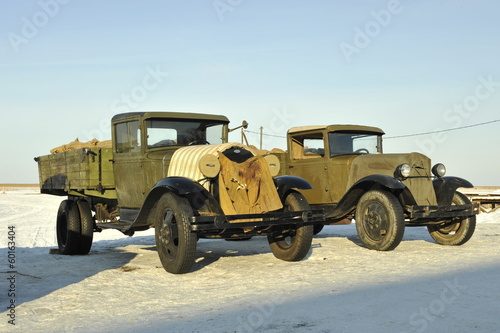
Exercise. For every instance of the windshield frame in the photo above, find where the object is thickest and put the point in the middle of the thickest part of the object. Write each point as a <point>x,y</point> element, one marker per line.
<point>349,140</point>
<point>182,132</point>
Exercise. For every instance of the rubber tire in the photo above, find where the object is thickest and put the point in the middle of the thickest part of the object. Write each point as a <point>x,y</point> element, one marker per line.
<point>457,233</point>
<point>300,239</point>
<point>68,228</point>
<point>86,226</point>
<point>384,230</point>
<point>175,243</point>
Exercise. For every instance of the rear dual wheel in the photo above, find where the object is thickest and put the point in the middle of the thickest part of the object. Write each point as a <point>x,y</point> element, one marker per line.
<point>75,227</point>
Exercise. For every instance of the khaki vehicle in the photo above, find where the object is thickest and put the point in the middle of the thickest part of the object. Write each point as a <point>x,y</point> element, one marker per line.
<point>353,178</point>
<point>176,172</point>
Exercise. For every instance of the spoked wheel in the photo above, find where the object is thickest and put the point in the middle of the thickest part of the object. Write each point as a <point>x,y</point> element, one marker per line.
<point>380,220</point>
<point>459,230</point>
<point>175,243</point>
<point>292,243</point>
<point>68,228</point>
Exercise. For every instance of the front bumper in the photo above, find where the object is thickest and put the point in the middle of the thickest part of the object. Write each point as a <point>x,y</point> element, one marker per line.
<point>439,213</point>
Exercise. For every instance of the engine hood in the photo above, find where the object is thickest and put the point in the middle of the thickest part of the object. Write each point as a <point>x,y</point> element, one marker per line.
<point>419,183</point>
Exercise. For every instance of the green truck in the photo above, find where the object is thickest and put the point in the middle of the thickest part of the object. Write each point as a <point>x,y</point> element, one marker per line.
<point>353,179</point>
<point>178,173</point>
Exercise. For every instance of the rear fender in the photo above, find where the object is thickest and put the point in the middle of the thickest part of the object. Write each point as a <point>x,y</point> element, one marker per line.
<point>446,187</point>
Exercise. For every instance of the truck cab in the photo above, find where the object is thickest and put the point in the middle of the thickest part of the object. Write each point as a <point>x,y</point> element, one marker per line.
<point>353,178</point>
<point>324,155</point>
<point>144,142</point>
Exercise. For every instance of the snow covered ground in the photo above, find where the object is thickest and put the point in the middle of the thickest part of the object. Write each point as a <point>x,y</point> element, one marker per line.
<point>239,286</point>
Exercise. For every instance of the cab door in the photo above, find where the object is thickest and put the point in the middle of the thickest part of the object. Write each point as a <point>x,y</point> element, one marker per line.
<point>128,164</point>
<point>309,160</point>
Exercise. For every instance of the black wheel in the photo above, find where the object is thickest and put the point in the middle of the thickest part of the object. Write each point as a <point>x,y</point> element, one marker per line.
<point>68,228</point>
<point>459,230</point>
<point>175,243</point>
<point>86,226</point>
<point>380,220</point>
<point>317,228</point>
<point>292,243</point>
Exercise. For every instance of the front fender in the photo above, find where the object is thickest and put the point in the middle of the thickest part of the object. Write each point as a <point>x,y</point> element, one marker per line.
<point>178,185</point>
<point>352,196</point>
<point>383,180</point>
<point>446,187</point>
<point>286,183</point>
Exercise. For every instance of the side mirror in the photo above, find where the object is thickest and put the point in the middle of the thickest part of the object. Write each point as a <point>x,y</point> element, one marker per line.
<point>244,125</point>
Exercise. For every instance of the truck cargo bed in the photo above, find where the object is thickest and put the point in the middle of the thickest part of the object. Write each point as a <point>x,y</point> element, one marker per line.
<point>85,171</point>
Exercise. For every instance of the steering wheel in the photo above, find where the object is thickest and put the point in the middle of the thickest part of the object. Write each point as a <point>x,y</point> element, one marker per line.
<point>361,151</point>
<point>199,141</point>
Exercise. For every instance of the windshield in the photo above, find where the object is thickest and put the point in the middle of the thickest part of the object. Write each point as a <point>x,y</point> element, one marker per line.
<point>167,132</point>
<point>342,143</point>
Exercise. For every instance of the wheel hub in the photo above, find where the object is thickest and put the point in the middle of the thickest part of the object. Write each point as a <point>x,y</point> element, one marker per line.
<point>372,220</point>
<point>166,230</point>
<point>375,218</point>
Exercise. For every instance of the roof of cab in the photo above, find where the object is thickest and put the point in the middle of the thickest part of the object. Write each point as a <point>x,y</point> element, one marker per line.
<point>165,114</point>
<point>333,128</point>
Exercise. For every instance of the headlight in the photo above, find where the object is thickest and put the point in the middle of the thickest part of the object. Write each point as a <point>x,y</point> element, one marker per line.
<point>439,170</point>
<point>403,171</point>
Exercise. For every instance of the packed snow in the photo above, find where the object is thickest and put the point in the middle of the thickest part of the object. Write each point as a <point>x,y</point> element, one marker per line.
<point>240,286</point>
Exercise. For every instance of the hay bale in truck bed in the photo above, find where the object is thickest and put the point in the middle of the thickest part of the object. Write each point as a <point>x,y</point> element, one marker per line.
<point>76,144</point>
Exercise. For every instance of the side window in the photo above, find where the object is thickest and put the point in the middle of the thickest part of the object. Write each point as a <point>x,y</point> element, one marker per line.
<point>128,137</point>
<point>214,134</point>
<point>308,146</point>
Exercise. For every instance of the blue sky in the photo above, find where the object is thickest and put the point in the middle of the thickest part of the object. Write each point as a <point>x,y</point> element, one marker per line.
<point>406,66</point>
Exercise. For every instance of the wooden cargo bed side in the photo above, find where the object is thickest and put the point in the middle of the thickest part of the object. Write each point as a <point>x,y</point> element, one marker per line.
<point>86,171</point>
